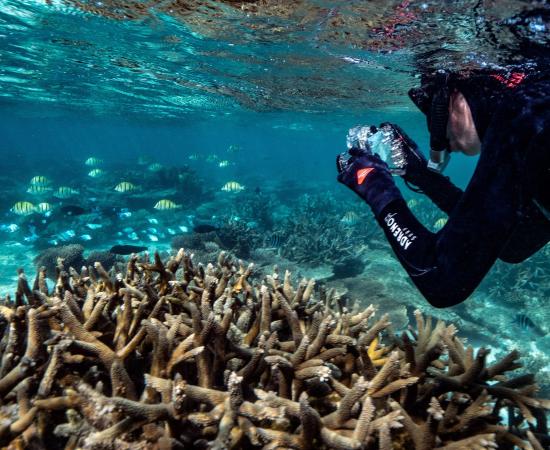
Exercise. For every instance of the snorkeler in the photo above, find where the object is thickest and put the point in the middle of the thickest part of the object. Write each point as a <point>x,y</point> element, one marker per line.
<point>504,212</point>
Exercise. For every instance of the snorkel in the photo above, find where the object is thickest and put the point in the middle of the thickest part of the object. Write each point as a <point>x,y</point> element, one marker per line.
<point>432,98</point>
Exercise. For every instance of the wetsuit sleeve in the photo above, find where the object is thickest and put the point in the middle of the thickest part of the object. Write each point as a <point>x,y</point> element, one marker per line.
<point>448,265</point>
<point>439,189</point>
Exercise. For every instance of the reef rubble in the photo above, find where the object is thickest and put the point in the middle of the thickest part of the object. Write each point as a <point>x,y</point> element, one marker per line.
<point>177,354</point>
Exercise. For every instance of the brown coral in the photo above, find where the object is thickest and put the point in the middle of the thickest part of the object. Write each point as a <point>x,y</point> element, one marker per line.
<point>173,354</point>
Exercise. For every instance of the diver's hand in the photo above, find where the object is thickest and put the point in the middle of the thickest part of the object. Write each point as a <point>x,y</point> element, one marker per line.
<point>417,164</point>
<point>368,176</point>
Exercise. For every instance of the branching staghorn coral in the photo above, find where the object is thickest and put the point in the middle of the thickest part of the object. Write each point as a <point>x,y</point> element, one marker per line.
<point>174,354</point>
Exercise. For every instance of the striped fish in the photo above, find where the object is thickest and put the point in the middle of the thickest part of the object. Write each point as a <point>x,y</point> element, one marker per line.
<point>155,167</point>
<point>96,173</point>
<point>232,186</point>
<point>39,180</point>
<point>43,208</point>
<point>125,186</point>
<point>93,161</point>
<point>23,208</point>
<point>275,241</point>
<point>350,218</point>
<point>165,205</point>
<point>412,203</point>
<point>64,192</point>
<point>526,324</point>
<point>37,189</point>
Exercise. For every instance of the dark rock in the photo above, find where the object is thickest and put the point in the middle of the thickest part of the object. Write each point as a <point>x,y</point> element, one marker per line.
<point>107,259</point>
<point>72,255</point>
<point>348,267</point>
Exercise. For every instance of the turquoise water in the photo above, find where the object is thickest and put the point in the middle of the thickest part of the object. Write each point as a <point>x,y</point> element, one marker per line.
<point>283,87</point>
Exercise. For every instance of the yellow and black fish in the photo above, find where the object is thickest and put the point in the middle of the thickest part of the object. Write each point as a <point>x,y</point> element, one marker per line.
<point>350,218</point>
<point>166,205</point>
<point>232,186</point>
<point>96,173</point>
<point>64,192</point>
<point>125,186</point>
<point>23,208</point>
<point>92,161</point>
<point>38,189</point>
<point>43,208</point>
<point>39,180</point>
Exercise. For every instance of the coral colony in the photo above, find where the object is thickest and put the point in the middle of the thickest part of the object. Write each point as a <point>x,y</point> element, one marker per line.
<point>176,354</point>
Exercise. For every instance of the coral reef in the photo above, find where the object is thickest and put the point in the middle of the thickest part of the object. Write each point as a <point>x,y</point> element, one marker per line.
<point>315,237</point>
<point>174,354</point>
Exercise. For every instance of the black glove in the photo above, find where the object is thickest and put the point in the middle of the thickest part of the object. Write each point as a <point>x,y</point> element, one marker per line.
<point>417,164</point>
<point>368,176</point>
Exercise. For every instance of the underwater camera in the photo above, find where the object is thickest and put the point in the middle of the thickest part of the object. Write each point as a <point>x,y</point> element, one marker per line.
<point>384,141</point>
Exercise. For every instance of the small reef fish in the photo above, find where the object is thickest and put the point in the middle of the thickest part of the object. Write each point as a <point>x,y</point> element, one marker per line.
<point>153,221</point>
<point>11,228</point>
<point>155,167</point>
<point>64,192</point>
<point>224,163</point>
<point>126,249</point>
<point>32,237</point>
<point>275,241</point>
<point>94,226</point>
<point>72,210</point>
<point>23,208</point>
<point>153,238</point>
<point>96,173</point>
<point>165,205</point>
<point>194,157</point>
<point>233,148</point>
<point>204,228</point>
<point>412,203</point>
<point>526,324</point>
<point>133,236</point>
<point>43,208</point>
<point>440,223</point>
<point>38,189</point>
<point>92,161</point>
<point>183,228</point>
<point>86,237</point>
<point>66,235</point>
<point>171,231</point>
<point>125,186</point>
<point>128,230</point>
<point>232,186</point>
<point>350,218</point>
<point>212,157</point>
<point>39,180</point>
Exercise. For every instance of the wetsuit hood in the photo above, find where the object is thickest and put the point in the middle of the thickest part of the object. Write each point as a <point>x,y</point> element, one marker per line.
<point>482,93</point>
<point>481,90</point>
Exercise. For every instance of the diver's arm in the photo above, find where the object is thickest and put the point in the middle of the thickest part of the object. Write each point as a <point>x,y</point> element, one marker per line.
<point>439,189</point>
<point>447,266</point>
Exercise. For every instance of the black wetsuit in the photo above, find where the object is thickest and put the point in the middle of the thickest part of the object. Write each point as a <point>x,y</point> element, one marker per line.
<point>496,216</point>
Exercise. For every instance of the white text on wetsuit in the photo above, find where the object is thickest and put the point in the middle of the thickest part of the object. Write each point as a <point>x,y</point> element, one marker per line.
<point>403,236</point>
